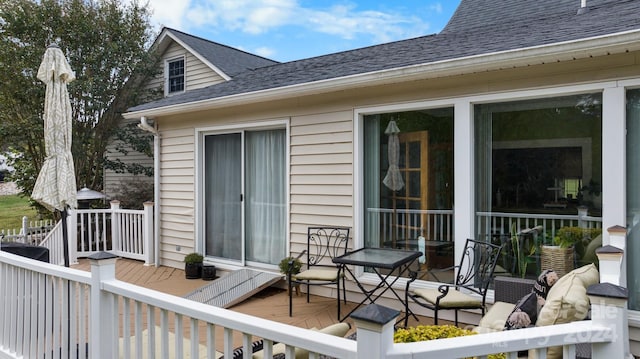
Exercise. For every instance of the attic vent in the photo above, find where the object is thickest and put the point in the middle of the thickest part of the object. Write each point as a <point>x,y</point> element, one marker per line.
<point>583,7</point>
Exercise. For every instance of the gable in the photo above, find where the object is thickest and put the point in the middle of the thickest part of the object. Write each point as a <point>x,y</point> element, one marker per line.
<point>553,32</point>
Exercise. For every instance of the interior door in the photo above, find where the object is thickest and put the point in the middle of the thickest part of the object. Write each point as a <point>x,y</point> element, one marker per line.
<point>414,167</point>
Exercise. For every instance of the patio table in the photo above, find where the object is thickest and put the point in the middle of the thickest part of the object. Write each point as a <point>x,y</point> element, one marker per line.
<point>394,261</point>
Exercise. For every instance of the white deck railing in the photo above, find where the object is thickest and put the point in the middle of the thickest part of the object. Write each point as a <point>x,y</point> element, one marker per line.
<point>500,223</point>
<point>123,232</point>
<point>31,232</point>
<point>393,224</point>
<point>108,318</point>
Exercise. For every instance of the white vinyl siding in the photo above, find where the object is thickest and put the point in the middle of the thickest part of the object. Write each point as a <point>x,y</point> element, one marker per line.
<point>197,73</point>
<point>112,180</point>
<point>321,173</point>
<point>177,196</point>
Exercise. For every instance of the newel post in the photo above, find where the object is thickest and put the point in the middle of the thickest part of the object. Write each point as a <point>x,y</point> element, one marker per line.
<point>116,244</point>
<point>148,234</point>
<point>72,233</point>
<point>618,239</point>
<point>374,324</point>
<point>609,309</point>
<point>103,311</point>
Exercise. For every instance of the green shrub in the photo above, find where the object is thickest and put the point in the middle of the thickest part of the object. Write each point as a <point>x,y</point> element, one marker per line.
<point>431,332</point>
<point>193,258</point>
<point>133,193</point>
<point>284,265</point>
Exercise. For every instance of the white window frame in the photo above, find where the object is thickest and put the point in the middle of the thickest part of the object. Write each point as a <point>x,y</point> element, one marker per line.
<point>613,152</point>
<point>166,74</point>
<point>200,134</point>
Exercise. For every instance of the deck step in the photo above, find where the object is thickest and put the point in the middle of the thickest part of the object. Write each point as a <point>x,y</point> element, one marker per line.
<point>234,287</point>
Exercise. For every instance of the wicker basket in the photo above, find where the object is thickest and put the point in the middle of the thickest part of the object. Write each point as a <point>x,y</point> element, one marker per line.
<point>557,258</point>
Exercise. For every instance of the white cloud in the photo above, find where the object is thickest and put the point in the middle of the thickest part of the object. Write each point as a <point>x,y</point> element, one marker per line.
<point>264,51</point>
<point>260,16</point>
<point>169,13</point>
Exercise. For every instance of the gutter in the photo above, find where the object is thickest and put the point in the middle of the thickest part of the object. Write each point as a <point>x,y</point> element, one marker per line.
<point>145,126</point>
<point>562,51</point>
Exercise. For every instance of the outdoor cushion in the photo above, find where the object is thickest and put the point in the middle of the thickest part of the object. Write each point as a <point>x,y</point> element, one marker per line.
<point>318,274</point>
<point>495,318</point>
<point>454,298</point>
<point>338,329</point>
<point>567,301</point>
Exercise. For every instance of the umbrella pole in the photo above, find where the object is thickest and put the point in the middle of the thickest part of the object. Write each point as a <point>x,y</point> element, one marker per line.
<point>65,252</point>
<point>65,237</point>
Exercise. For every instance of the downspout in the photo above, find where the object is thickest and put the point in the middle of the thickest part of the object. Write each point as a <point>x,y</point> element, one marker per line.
<point>145,126</point>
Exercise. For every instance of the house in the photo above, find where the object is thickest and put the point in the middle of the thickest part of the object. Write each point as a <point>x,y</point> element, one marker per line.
<point>188,63</point>
<point>516,114</point>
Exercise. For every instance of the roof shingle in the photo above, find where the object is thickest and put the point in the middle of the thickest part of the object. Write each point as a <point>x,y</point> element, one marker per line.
<point>477,27</point>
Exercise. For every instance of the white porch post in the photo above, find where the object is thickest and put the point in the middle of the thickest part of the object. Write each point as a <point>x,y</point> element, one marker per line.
<point>618,239</point>
<point>72,233</point>
<point>463,162</point>
<point>103,313</point>
<point>609,309</point>
<point>115,228</point>
<point>614,155</point>
<point>374,324</point>
<point>148,236</point>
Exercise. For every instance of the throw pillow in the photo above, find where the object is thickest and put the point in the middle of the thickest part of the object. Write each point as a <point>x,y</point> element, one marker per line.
<point>524,314</point>
<point>567,301</point>
<point>541,287</point>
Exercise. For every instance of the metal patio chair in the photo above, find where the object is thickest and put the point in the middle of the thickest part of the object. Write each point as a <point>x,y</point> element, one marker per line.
<point>469,290</point>
<point>323,244</point>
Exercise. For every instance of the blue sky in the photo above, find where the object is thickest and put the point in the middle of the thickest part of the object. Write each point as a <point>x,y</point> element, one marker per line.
<point>286,30</point>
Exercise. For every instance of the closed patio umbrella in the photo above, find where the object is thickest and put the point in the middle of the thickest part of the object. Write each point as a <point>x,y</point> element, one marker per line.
<point>393,179</point>
<point>55,187</point>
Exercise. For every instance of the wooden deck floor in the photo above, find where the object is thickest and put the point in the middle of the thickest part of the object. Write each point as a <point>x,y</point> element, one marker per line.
<point>320,312</point>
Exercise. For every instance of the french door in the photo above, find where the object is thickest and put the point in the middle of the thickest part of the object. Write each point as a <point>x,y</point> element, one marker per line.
<point>244,189</point>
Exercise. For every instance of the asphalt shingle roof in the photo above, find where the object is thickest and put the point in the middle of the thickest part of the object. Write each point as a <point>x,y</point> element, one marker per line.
<point>231,61</point>
<point>477,27</point>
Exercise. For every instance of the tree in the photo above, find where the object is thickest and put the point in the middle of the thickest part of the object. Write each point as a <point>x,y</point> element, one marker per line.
<point>107,45</point>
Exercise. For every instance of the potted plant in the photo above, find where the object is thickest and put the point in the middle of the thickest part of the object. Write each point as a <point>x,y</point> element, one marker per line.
<point>193,265</point>
<point>291,264</point>
<point>568,242</point>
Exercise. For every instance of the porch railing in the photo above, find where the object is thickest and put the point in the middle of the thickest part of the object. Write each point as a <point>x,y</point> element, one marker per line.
<point>30,232</point>
<point>499,223</point>
<point>56,312</point>
<point>123,232</point>
<point>398,224</point>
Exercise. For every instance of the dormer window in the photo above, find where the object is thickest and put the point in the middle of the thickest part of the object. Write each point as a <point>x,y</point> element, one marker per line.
<point>175,75</point>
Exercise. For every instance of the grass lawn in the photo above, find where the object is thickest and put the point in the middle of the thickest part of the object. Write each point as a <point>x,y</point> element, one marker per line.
<point>12,209</point>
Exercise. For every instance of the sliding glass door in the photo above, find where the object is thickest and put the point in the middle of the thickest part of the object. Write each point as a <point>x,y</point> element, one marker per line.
<point>244,189</point>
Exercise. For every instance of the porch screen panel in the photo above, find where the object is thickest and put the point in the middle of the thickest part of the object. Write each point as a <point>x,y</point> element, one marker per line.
<point>223,189</point>
<point>265,196</point>
<point>633,197</point>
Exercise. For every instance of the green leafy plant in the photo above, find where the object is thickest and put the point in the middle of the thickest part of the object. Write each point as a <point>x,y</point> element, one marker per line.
<point>432,332</point>
<point>284,265</point>
<point>193,258</point>
<point>522,256</point>
<point>576,237</point>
